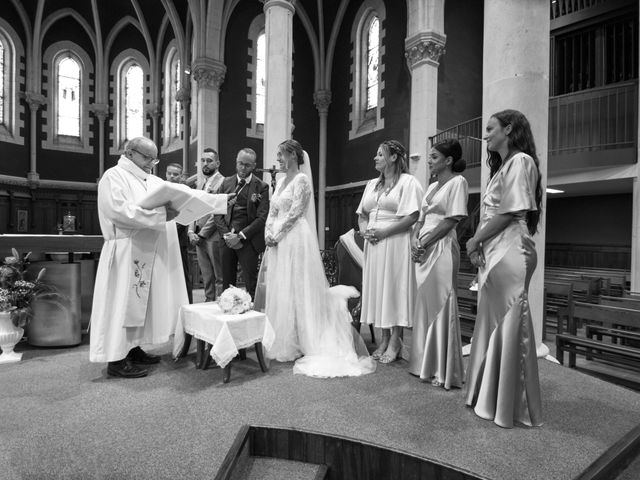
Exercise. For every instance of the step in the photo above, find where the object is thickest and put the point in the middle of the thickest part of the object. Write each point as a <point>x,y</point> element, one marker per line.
<point>263,468</point>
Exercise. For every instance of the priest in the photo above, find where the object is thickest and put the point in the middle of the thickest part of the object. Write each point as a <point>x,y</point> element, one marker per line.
<point>140,282</point>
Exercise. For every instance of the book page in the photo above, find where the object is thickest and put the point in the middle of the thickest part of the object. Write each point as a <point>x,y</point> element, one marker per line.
<point>192,204</point>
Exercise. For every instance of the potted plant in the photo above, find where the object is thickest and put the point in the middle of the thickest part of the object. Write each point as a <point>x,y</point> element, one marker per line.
<point>16,295</point>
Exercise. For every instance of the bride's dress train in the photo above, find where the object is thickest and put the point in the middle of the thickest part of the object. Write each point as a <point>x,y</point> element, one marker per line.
<point>309,318</point>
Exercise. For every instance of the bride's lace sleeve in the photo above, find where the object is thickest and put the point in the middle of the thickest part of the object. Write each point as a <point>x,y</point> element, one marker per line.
<point>301,198</point>
<point>268,227</point>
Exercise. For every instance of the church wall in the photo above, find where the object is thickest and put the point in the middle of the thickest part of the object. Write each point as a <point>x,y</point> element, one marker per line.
<point>304,112</point>
<point>352,160</point>
<point>460,70</point>
<point>234,90</point>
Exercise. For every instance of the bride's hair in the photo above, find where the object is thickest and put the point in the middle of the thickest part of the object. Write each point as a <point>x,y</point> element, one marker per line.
<point>292,147</point>
<point>389,147</point>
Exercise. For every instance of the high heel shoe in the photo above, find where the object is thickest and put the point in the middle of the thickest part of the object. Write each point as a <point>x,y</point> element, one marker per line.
<point>386,358</point>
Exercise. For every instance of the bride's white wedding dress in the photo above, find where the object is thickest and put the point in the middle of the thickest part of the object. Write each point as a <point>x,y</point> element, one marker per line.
<point>309,318</point>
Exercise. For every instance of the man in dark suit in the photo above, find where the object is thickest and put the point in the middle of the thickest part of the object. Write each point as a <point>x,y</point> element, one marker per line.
<point>243,226</point>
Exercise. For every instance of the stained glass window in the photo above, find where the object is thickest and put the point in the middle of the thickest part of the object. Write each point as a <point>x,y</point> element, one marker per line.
<point>176,103</point>
<point>261,77</point>
<point>2,73</point>
<point>373,42</point>
<point>69,97</point>
<point>133,102</point>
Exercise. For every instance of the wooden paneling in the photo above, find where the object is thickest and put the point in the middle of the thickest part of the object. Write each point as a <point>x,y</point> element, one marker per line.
<point>347,458</point>
<point>599,256</point>
<point>340,211</point>
<point>46,207</point>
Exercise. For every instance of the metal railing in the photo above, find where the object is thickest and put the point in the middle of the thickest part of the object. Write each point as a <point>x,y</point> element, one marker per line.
<point>469,134</point>
<point>594,119</point>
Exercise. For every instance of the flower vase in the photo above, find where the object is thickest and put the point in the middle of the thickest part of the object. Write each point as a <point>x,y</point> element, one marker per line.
<point>9,336</point>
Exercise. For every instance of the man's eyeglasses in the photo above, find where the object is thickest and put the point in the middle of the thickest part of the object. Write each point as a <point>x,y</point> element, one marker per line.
<point>148,158</point>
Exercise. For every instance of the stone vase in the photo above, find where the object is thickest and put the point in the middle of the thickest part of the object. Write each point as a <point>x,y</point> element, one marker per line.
<point>9,336</point>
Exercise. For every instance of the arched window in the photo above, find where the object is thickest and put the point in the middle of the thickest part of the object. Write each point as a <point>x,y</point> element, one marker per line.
<point>68,111</point>
<point>172,111</point>
<point>257,85</point>
<point>261,77</point>
<point>11,52</point>
<point>367,84</point>
<point>133,102</point>
<point>67,70</point>
<point>130,98</point>
<point>373,58</point>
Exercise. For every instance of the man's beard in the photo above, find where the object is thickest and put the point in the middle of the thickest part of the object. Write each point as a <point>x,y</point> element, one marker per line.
<point>208,171</point>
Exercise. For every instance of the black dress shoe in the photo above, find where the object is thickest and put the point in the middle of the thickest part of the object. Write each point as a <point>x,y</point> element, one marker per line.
<point>124,368</point>
<point>137,355</point>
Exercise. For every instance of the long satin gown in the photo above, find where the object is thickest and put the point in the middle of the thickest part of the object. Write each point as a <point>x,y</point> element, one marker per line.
<point>436,352</point>
<point>502,375</point>
<point>308,317</point>
<point>388,276</point>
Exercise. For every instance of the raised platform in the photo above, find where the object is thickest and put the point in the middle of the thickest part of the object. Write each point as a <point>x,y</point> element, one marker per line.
<point>68,420</point>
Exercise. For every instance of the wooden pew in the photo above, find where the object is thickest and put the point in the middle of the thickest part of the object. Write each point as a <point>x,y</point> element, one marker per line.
<point>606,317</point>
<point>557,299</point>
<point>467,310</point>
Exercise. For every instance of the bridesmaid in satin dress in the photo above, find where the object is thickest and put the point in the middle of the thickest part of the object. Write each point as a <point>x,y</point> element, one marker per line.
<point>436,352</point>
<point>502,375</point>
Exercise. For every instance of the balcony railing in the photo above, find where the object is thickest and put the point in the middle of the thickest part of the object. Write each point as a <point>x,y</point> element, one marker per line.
<point>560,8</point>
<point>470,137</point>
<point>594,119</point>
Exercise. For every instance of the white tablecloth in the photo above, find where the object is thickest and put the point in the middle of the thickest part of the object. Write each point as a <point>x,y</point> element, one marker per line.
<point>226,333</point>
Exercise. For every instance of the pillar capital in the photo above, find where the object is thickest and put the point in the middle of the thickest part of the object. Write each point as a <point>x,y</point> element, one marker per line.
<point>288,4</point>
<point>100,110</point>
<point>209,73</point>
<point>322,100</point>
<point>34,100</point>
<point>425,47</point>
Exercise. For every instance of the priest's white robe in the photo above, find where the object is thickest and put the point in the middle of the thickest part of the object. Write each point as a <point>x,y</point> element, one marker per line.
<point>140,281</point>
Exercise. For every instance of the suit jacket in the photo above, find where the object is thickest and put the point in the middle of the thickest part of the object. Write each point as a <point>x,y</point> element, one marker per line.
<point>257,211</point>
<point>214,184</point>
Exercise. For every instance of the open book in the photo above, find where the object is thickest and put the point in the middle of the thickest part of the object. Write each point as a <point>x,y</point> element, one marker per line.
<point>192,204</point>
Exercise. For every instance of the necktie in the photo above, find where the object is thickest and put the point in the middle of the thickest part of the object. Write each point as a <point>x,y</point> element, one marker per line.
<point>241,184</point>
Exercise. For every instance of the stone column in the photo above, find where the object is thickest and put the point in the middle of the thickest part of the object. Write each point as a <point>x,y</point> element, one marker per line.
<point>183,95</point>
<point>516,76</point>
<point>209,74</point>
<point>322,100</point>
<point>635,224</point>
<point>279,55</point>
<point>100,110</point>
<point>422,52</point>
<point>154,111</point>
<point>35,101</point>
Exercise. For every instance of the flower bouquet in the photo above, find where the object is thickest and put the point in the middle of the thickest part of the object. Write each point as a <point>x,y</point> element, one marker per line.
<point>16,292</point>
<point>234,300</point>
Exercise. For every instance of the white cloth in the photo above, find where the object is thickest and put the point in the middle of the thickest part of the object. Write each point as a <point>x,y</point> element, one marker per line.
<point>349,242</point>
<point>388,277</point>
<point>226,333</point>
<point>308,317</point>
<point>126,227</point>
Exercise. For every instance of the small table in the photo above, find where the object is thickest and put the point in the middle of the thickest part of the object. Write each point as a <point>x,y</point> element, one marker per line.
<point>224,333</point>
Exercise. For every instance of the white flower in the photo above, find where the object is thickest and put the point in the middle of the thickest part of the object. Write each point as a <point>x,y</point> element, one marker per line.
<point>235,300</point>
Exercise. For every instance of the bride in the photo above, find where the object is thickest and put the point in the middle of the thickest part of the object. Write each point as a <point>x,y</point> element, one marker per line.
<point>309,318</point>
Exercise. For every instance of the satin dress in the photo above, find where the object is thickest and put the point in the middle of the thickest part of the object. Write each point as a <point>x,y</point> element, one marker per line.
<point>388,276</point>
<point>502,375</point>
<point>436,352</point>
